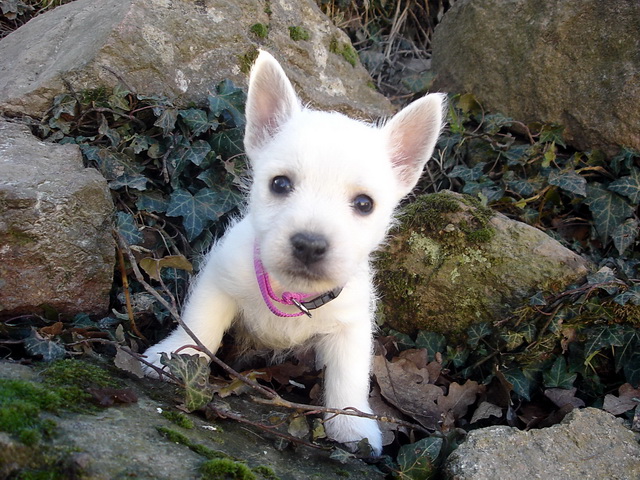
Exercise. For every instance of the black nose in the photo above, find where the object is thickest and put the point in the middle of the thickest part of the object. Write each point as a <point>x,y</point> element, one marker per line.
<point>309,247</point>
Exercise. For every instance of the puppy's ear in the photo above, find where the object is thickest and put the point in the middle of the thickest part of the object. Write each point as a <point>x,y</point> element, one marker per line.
<point>412,134</point>
<point>271,101</point>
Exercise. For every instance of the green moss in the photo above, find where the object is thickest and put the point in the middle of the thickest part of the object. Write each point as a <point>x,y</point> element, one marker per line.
<point>299,33</point>
<point>178,418</point>
<point>177,437</point>
<point>266,472</point>
<point>225,469</point>
<point>437,235</point>
<point>53,474</point>
<point>247,60</point>
<point>260,30</point>
<point>346,50</point>
<point>21,403</point>
<point>71,378</point>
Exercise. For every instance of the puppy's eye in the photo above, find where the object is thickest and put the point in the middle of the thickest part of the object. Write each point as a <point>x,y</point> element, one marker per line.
<point>281,185</point>
<point>363,204</point>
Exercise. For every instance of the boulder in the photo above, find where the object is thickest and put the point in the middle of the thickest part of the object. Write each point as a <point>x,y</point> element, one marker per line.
<point>451,263</point>
<point>134,440</point>
<point>180,49</point>
<point>570,63</point>
<point>56,246</point>
<point>589,444</point>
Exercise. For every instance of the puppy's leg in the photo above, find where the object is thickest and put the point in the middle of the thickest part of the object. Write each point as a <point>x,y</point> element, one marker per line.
<point>347,357</point>
<point>208,313</point>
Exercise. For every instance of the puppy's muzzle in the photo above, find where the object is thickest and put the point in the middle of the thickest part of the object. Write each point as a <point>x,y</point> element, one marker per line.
<point>309,248</point>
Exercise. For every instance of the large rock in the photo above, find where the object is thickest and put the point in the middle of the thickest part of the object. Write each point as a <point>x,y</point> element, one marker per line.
<point>572,63</point>
<point>180,49</point>
<point>589,444</point>
<point>125,441</point>
<point>56,246</point>
<point>451,263</point>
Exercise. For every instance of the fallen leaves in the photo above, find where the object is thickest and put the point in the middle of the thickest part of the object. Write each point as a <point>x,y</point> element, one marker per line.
<point>408,382</point>
<point>627,399</point>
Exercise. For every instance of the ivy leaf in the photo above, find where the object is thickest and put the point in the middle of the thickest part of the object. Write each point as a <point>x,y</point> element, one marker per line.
<point>630,344</point>
<point>50,350</point>
<point>152,202</point>
<point>458,356</point>
<point>603,336</point>
<point>528,331</point>
<point>558,376</point>
<point>569,181</point>
<point>632,370</point>
<point>608,209</point>
<point>631,295</point>
<point>197,121</point>
<point>520,382</point>
<point>140,143</point>
<point>552,133</point>
<point>227,199</point>
<point>477,332</point>
<point>495,122</point>
<point>114,165</point>
<point>538,299</point>
<point>228,98</point>
<point>193,370</point>
<point>433,342</point>
<point>64,103</point>
<point>228,143</point>
<point>417,460</point>
<point>606,279</point>
<point>128,229</point>
<point>467,174</point>
<point>628,186</point>
<point>104,129</point>
<point>512,339</point>
<point>195,210</point>
<point>625,234</point>
<point>167,120</point>
<point>197,151</point>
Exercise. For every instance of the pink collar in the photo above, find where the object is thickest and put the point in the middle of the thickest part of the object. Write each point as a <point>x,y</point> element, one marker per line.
<point>288,298</point>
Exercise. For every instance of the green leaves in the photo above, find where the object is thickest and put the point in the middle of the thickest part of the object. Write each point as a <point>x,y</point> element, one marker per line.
<point>228,100</point>
<point>417,461</point>
<point>608,209</point>
<point>569,181</point>
<point>196,210</point>
<point>628,186</point>
<point>193,370</point>
<point>558,376</point>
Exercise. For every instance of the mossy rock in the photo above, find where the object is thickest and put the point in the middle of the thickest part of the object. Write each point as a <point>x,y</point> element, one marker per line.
<point>452,262</point>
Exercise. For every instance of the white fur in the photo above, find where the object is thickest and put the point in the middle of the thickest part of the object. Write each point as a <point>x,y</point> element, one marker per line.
<point>330,160</point>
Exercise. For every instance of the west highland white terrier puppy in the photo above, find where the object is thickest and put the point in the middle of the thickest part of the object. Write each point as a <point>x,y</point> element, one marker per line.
<point>296,269</point>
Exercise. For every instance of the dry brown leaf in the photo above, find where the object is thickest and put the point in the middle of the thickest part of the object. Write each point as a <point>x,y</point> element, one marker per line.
<point>628,398</point>
<point>563,396</point>
<point>486,410</point>
<point>406,387</point>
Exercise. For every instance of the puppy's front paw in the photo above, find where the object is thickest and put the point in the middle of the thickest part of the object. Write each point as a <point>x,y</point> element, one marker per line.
<point>350,430</point>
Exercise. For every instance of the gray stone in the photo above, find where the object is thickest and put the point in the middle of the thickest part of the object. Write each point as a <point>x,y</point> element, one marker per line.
<point>56,246</point>
<point>124,442</point>
<point>180,49</point>
<point>451,263</point>
<point>589,444</point>
<point>572,63</point>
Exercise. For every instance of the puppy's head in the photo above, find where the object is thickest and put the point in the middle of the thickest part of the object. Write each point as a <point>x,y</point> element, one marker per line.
<point>325,186</point>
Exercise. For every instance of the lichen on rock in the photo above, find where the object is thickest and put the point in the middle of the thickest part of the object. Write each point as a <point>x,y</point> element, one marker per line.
<point>452,262</point>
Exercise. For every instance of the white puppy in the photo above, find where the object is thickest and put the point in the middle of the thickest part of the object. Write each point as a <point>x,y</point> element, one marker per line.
<point>322,199</point>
